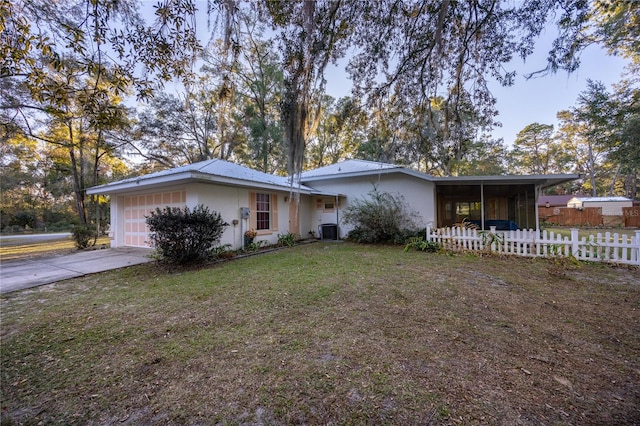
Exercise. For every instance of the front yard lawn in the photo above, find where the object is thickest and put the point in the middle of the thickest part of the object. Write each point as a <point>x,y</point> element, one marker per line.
<point>328,334</point>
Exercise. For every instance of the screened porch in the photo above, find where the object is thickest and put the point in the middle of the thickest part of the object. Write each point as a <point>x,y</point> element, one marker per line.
<point>506,206</point>
<point>506,202</point>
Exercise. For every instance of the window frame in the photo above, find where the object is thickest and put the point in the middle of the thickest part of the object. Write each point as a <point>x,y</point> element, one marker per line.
<point>262,223</point>
<point>272,213</point>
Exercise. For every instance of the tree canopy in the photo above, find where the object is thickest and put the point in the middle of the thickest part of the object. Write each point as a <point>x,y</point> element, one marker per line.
<point>254,93</point>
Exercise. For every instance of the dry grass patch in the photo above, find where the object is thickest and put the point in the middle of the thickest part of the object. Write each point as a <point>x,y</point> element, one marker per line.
<point>328,333</point>
<point>14,250</point>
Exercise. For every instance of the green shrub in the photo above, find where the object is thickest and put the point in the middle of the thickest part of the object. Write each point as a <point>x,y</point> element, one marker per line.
<point>60,226</point>
<point>287,240</point>
<point>420,244</point>
<point>183,236</point>
<point>381,218</point>
<point>254,246</point>
<point>83,236</point>
<point>12,229</point>
<point>223,252</point>
<point>405,235</point>
<point>25,218</point>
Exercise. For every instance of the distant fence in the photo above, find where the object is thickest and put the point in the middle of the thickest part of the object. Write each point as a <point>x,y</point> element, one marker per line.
<point>565,216</point>
<point>607,247</point>
<point>589,216</point>
<point>631,216</point>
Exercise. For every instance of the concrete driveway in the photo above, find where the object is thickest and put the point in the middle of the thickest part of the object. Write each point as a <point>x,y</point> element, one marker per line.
<point>22,274</point>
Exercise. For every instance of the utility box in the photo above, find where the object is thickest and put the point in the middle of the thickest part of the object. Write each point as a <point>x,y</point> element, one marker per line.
<point>329,231</point>
<point>244,212</point>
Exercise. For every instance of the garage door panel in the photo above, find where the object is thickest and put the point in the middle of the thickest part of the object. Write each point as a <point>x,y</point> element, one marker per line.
<point>138,207</point>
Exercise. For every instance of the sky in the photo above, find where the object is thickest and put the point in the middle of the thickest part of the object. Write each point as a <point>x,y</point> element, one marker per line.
<point>540,99</point>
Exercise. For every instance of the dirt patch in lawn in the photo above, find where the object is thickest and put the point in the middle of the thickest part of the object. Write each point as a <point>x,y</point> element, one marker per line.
<point>328,334</point>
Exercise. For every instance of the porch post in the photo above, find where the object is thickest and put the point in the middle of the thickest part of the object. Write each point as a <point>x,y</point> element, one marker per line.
<point>575,248</point>
<point>537,190</point>
<point>526,208</point>
<point>482,206</point>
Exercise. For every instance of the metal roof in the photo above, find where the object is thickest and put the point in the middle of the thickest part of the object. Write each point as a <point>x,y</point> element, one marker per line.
<point>215,170</point>
<point>224,172</point>
<point>352,168</point>
<point>349,166</point>
<point>601,199</point>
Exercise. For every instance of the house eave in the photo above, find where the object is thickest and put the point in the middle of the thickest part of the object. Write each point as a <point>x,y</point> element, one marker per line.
<point>326,194</point>
<point>142,182</point>
<point>184,178</point>
<point>542,181</point>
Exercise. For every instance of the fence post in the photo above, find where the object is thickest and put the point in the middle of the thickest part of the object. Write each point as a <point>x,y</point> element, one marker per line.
<point>428,236</point>
<point>574,242</point>
<point>636,249</point>
<point>492,239</point>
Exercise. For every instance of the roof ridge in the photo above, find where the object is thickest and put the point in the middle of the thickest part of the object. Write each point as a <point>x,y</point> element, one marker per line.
<point>205,163</point>
<point>368,161</point>
<point>584,197</point>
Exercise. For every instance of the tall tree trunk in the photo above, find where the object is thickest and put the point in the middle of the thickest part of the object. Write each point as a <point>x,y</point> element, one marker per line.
<point>95,199</point>
<point>77,187</point>
<point>613,181</point>
<point>631,184</point>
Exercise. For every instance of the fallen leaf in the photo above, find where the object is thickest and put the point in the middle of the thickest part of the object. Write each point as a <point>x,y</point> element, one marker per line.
<point>563,382</point>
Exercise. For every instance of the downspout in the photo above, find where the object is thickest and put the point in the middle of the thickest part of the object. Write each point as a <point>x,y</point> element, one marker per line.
<point>482,206</point>
<point>337,218</point>
<point>241,220</point>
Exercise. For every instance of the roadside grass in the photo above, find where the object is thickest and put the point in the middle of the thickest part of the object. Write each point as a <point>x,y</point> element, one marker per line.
<point>328,334</point>
<point>44,248</point>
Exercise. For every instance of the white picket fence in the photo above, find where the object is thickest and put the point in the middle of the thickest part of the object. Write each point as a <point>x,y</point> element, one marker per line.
<point>603,247</point>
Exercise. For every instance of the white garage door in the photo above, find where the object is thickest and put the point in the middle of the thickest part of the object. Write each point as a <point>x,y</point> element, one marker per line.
<point>136,207</point>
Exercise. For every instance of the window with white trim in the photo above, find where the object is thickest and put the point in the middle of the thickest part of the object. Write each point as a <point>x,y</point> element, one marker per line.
<point>263,211</point>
